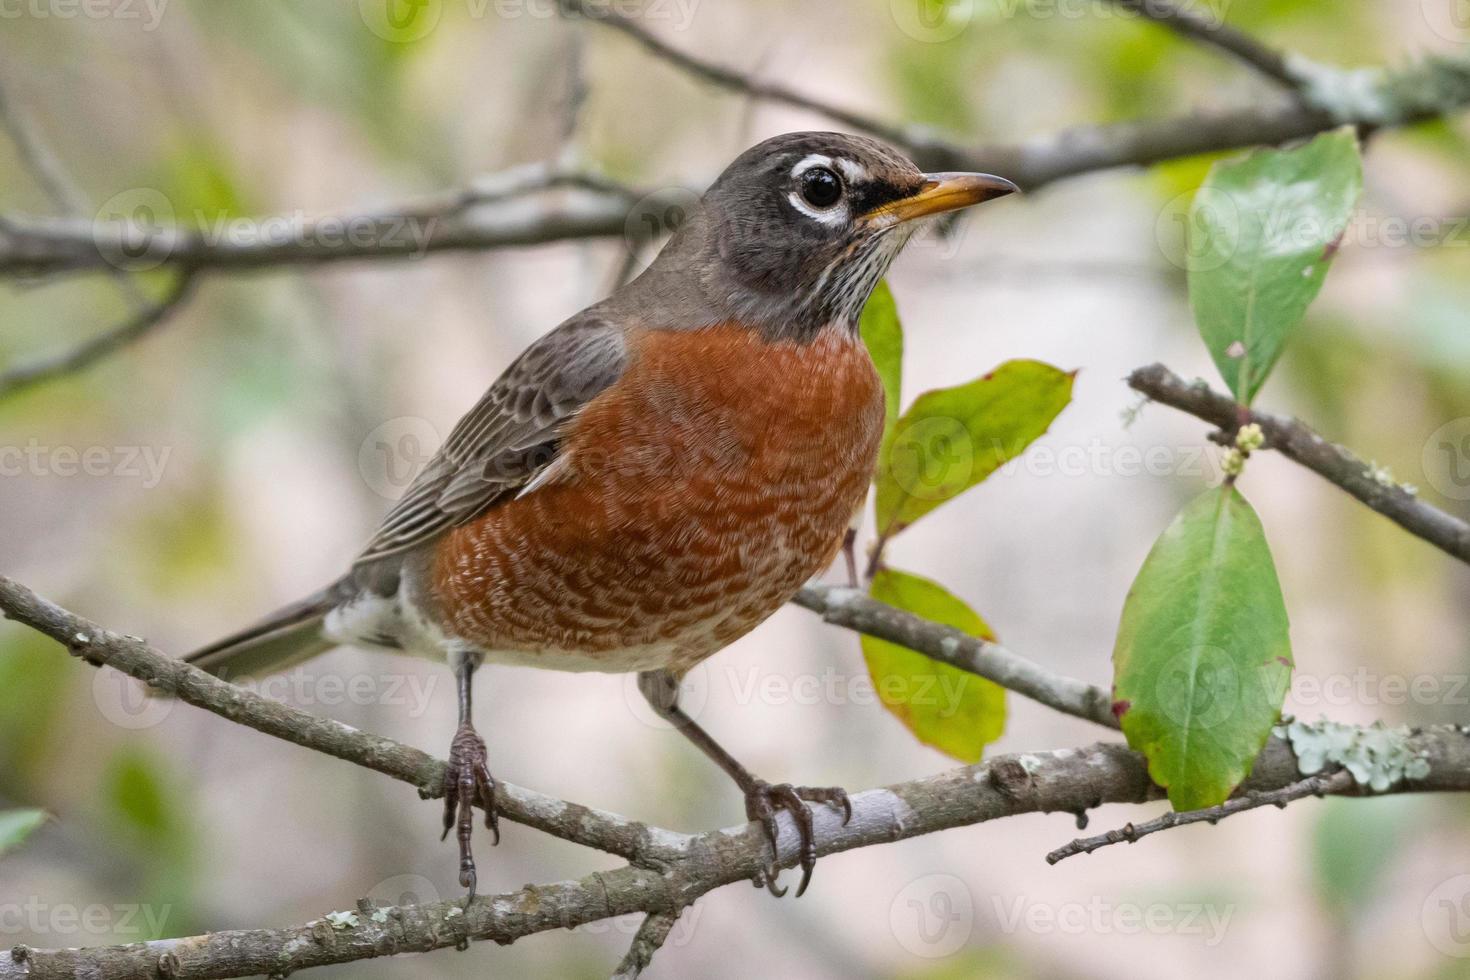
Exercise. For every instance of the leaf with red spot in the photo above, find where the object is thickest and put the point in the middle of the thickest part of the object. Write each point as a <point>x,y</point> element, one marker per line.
<point>1263,230</point>
<point>1203,656</point>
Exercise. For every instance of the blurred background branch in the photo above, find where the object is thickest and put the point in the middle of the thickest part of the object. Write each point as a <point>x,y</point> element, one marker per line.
<point>1215,32</point>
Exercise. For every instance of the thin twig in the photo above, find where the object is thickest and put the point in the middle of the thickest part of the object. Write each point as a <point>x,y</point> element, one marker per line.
<point>651,936</point>
<point>1299,443</point>
<point>1215,32</point>
<point>37,159</point>
<point>853,610</point>
<point>46,169</point>
<point>87,353</point>
<point>1321,784</point>
<point>738,81</point>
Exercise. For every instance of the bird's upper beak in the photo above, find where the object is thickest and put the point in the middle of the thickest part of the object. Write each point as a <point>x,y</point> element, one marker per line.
<point>940,193</point>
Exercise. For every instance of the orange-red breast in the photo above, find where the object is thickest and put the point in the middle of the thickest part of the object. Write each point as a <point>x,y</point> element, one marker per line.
<point>657,475</point>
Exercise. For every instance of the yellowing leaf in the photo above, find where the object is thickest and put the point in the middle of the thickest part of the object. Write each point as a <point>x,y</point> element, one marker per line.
<point>953,710</point>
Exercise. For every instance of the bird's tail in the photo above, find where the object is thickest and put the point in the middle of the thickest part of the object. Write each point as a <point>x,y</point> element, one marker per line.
<point>283,639</point>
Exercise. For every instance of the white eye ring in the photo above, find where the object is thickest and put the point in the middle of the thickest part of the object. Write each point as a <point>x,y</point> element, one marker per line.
<point>836,215</point>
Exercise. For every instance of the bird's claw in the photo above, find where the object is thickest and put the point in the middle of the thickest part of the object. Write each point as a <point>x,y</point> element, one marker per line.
<point>468,782</point>
<point>763,800</point>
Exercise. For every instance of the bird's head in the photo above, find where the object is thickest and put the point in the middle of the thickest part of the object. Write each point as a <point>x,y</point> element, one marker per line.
<point>798,230</point>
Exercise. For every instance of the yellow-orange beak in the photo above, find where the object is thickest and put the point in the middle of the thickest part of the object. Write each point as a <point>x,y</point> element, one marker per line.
<point>940,193</point>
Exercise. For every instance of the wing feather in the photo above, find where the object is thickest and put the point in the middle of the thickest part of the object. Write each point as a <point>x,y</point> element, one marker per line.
<point>511,435</point>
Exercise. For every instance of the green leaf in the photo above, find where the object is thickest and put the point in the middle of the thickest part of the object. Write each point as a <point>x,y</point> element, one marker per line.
<point>952,710</point>
<point>17,825</point>
<point>1203,657</point>
<point>1262,231</point>
<point>951,439</point>
<point>883,334</point>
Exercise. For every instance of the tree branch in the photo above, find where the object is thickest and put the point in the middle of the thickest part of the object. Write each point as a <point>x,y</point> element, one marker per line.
<point>1300,444</point>
<point>39,246</point>
<point>1216,33</point>
<point>851,609</point>
<point>130,655</point>
<point>740,82</point>
<point>152,315</point>
<point>44,246</point>
<point>1068,780</point>
<point>44,167</point>
<point>649,939</point>
<point>1319,785</point>
<point>673,869</point>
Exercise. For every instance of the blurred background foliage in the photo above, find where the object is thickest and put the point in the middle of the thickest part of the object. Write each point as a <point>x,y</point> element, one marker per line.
<point>263,391</point>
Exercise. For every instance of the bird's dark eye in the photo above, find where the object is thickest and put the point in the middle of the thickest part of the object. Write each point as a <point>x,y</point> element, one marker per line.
<point>820,187</point>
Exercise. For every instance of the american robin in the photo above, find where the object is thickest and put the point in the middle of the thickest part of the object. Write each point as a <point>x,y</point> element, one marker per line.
<point>656,476</point>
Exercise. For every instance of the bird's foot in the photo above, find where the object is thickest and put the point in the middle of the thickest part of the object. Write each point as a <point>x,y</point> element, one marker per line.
<point>763,800</point>
<point>467,782</point>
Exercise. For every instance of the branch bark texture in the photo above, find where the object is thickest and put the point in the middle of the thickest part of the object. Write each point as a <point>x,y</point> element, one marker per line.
<point>667,871</point>
<point>1300,444</point>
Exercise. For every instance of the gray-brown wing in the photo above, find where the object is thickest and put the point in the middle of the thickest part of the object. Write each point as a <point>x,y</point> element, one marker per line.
<point>510,436</point>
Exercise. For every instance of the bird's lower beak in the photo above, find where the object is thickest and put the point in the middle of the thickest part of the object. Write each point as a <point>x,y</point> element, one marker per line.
<point>940,193</point>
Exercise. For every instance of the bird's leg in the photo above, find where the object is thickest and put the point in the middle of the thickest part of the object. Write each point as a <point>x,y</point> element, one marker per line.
<point>849,551</point>
<point>468,780</point>
<point>762,799</point>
